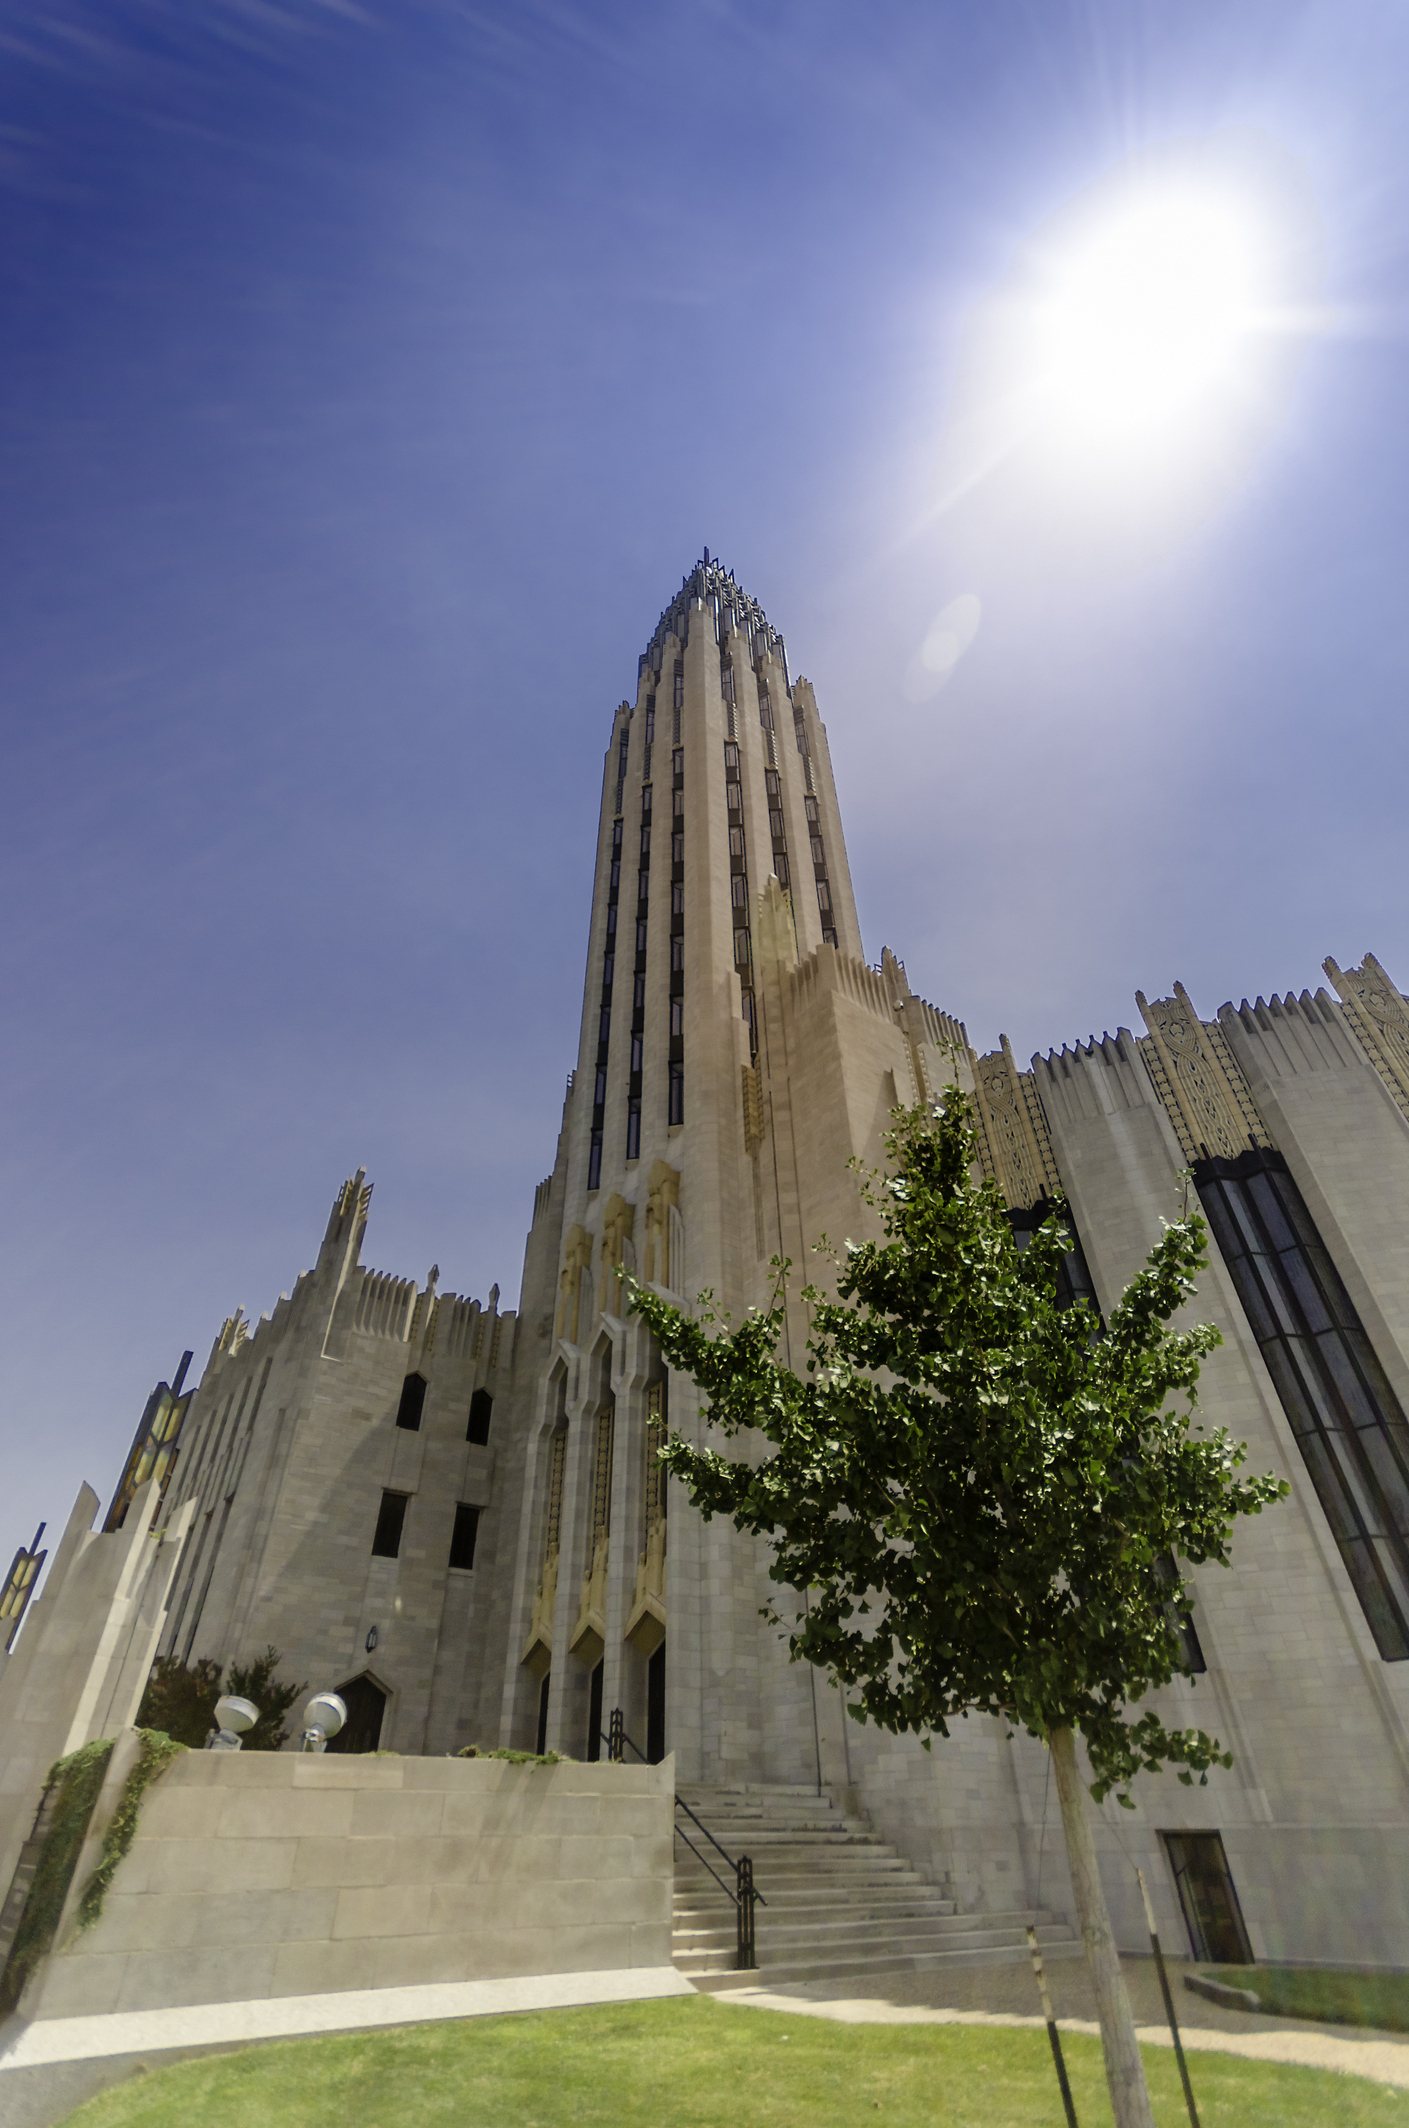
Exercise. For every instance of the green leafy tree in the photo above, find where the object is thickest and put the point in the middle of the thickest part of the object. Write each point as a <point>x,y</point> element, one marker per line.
<point>180,1699</point>
<point>981,1491</point>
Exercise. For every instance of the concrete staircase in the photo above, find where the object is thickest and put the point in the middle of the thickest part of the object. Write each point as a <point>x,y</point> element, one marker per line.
<point>842,1906</point>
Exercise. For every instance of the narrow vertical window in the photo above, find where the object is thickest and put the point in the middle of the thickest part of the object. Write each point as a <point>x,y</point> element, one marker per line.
<point>677,955</point>
<point>391,1520</point>
<point>650,720</point>
<point>481,1406</point>
<point>676,1112</point>
<point>677,1017</point>
<point>679,683</point>
<point>413,1398</point>
<point>633,1130</point>
<point>1347,1420</point>
<point>462,1542</point>
<point>594,1162</point>
<point>677,762</point>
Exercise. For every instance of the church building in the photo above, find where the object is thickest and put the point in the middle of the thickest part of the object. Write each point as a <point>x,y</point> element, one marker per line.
<point>453,1515</point>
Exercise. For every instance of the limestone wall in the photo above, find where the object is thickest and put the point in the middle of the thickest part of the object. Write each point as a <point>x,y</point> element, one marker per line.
<point>257,1874</point>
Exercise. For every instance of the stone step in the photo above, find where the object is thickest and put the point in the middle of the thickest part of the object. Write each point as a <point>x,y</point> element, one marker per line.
<point>837,1904</point>
<point>818,1913</point>
<point>799,1972</point>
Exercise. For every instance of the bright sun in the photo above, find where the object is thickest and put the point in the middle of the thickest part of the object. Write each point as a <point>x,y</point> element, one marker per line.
<point>1148,312</point>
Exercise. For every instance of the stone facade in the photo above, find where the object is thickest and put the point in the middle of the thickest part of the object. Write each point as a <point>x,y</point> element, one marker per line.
<point>736,1051</point>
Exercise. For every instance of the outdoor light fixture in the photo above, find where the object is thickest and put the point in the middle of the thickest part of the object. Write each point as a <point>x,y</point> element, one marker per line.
<point>233,1718</point>
<point>371,1640</point>
<point>323,1716</point>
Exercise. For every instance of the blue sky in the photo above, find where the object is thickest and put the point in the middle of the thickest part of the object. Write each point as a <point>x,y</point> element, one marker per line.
<point>369,376</point>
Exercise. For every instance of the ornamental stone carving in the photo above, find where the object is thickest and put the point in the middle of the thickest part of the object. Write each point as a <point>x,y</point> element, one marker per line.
<point>1198,1081</point>
<point>1015,1146</point>
<point>1379,1013</point>
<point>662,1193</point>
<point>576,1262</point>
<point>617,1222</point>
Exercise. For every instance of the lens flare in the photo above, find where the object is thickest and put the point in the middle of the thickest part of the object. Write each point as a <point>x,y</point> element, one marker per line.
<point>1148,312</point>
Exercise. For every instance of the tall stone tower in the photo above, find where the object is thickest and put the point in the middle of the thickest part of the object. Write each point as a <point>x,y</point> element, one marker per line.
<point>735,1051</point>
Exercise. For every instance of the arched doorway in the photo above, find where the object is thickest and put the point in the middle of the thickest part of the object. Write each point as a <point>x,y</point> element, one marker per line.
<point>366,1705</point>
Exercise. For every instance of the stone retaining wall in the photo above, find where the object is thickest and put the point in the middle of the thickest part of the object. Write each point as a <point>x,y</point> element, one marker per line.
<point>257,1874</point>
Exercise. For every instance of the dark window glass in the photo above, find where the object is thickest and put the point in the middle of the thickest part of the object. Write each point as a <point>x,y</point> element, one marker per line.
<point>1212,1914</point>
<point>633,1130</point>
<point>741,948</point>
<point>677,1093</point>
<point>775,823</point>
<point>677,955</point>
<point>646,789</point>
<point>770,777</point>
<point>819,855</point>
<point>643,885</point>
<point>734,797</point>
<point>824,897</point>
<point>678,804</point>
<point>731,755</point>
<point>736,842</point>
<point>481,1405</point>
<point>1348,1422</point>
<point>413,1397</point>
<point>739,890</point>
<point>636,1041</point>
<point>829,937</point>
<point>646,840</point>
<point>677,761</point>
<point>462,1543</point>
<point>391,1518</point>
<point>677,849</point>
<point>599,1093</point>
<point>677,898</point>
<point>611,921</point>
<point>780,866</point>
<point>616,834</point>
<point>765,708</point>
<point>679,685</point>
<point>638,995</point>
<point>811,806</point>
<point>641,931</point>
<point>650,724</point>
<point>594,1162</point>
<point>677,1016</point>
<point>608,970</point>
<point>604,1025</point>
<point>614,881</point>
<point>621,758</point>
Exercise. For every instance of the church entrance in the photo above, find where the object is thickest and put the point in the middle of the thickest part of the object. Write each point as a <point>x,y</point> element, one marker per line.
<point>365,1702</point>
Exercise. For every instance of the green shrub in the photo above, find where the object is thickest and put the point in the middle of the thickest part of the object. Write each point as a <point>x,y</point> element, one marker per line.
<point>180,1699</point>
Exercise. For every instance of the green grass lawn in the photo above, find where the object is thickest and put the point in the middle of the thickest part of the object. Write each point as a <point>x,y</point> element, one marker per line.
<point>1330,1996</point>
<point>701,2064</point>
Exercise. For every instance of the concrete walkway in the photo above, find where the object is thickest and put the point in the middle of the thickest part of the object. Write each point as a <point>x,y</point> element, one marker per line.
<point>1004,1995</point>
<point>49,2067</point>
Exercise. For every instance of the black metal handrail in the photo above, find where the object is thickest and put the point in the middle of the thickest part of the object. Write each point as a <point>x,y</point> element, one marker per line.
<point>744,1895</point>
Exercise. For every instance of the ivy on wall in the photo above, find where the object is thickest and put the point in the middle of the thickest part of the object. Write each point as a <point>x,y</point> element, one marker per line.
<point>70,1794</point>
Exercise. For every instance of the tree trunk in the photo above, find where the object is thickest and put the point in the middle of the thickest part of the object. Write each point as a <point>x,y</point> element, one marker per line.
<point>1125,2074</point>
